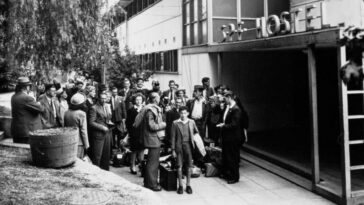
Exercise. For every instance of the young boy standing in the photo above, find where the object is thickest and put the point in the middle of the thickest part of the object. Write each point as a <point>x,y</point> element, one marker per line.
<point>182,144</point>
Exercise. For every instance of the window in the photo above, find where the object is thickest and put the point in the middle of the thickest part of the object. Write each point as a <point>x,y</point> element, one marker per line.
<point>194,22</point>
<point>138,6</point>
<point>166,61</point>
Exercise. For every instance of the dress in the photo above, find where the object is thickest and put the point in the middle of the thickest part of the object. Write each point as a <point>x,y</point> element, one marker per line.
<point>136,140</point>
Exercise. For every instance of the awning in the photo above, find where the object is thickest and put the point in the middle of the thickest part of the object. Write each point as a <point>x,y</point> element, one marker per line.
<point>321,38</point>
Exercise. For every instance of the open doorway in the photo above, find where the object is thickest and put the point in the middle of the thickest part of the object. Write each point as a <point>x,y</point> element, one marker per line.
<point>273,87</point>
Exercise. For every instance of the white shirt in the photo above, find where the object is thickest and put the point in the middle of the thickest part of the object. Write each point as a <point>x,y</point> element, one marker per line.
<point>227,109</point>
<point>197,109</point>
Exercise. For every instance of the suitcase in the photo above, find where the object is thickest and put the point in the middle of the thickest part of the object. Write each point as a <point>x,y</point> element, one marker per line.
<point>167,178</point>
<point>211,170</point>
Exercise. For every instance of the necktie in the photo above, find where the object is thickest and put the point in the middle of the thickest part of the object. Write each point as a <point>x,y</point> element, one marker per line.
<point>53,109</point>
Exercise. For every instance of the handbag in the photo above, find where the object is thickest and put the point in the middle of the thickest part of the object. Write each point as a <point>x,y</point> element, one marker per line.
<point>199,144</point>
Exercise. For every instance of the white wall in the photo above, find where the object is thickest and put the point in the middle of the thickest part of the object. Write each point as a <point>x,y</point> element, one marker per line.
<point>157,28</point>
<point>194,68</point>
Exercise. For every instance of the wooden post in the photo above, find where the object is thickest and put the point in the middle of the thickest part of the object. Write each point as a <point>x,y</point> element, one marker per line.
<point>344,129</point>
<point>219,68</point>
<point>313,116</point>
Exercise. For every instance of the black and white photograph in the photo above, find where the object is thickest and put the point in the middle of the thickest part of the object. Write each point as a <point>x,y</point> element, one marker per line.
<point>183,102</point>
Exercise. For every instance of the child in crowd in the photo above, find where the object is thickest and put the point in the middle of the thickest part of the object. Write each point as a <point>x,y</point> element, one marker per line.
<point>182,144</point>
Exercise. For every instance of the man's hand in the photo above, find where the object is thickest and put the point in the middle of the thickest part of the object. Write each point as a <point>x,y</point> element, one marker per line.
<point>246,135</point>
<point>220,125</point>
<point>105,129</point>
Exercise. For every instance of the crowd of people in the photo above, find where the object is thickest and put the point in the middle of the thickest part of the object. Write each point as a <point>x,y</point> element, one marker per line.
<point>151,119</point>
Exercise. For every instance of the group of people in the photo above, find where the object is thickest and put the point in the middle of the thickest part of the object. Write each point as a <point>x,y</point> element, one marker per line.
<point>152,120</point>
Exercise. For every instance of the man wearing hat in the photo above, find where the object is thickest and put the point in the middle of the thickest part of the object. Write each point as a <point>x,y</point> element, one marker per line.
<point>233,136</point>
<point>198,112</point>
<point>25,112</point>
<point>76,117</point>
<point>51,114</point>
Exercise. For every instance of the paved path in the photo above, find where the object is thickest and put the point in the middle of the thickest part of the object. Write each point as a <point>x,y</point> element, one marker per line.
<point>256,187</point>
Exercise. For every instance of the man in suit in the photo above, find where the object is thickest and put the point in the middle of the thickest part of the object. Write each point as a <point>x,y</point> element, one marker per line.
<point>51,114</point>
<point>198,110</point>
<point>100,119</point>
<point>207,90</point>
<point>127,94</point>
<point>152,131</point>
<point>169,96</point>
<point>118,117</point>
<point>25,112</point>
<point>140,87</point>
<point>232,137</point>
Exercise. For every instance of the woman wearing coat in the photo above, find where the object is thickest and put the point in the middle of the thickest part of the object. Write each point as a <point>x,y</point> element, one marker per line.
<point>76,117</point>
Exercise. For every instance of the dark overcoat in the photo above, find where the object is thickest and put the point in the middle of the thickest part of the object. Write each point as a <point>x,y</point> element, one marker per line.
<point>25,116</point>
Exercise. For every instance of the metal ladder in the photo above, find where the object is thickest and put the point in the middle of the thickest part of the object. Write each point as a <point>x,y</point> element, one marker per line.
<point>348,193</point>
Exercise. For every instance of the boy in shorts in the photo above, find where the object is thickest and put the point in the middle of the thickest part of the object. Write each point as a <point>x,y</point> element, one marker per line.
<point>182,132</point>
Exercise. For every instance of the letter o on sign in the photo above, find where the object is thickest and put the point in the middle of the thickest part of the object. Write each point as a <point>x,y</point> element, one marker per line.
<point>273,25</point>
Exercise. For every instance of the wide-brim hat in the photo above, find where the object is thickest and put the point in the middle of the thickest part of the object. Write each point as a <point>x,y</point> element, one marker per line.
<point>23,81</point>
<point>78,99</point>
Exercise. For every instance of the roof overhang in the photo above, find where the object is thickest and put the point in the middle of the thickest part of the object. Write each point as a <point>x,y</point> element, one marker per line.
<point>320,38</point>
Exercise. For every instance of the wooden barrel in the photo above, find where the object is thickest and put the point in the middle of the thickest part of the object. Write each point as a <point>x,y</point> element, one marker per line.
<point>54,147</point>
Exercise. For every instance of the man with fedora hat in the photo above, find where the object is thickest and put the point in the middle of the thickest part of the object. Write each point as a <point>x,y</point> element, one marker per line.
<point>76,117</point>
<point>25,112</point>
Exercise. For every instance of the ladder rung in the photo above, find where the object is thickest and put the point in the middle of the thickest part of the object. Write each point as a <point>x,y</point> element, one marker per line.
<point>355,91</point>
<point>357,167</point>
<point>352,117</point>
<point>356,142</point>
<point>357,193</point>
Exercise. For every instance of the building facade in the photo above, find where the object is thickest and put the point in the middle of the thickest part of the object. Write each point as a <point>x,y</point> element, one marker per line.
<point>282,58</point>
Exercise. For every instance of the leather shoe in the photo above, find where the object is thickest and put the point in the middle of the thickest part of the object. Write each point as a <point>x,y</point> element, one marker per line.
<point>157,188</point>
<point>232,181</point>
<point>189,190</point>
<point>180,190</point>
<point>133,171</point>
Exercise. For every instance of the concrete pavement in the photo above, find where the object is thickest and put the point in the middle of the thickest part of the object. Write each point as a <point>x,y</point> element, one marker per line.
<point>256,187</point>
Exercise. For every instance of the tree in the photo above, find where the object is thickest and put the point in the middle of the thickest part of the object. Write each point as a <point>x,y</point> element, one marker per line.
<point>126,65</point>
<point>4,74</point>
<point>47,36</point>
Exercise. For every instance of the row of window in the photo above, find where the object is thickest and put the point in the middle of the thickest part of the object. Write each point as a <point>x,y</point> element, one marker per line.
<point>166,61</point>
<point>138,5</point>
<point>194,22</point>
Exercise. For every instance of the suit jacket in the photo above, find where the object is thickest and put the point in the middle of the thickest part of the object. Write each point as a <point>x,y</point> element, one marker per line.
<point>166,96</point>
<point>77,118</point>
<point>190,105</point>
<point>232,130</point>
<point>209,92</point>
<point>48,118</point>
<point>119,113</point>
<point>152,127</point>
<point>25,112</point>
<point>98,121</point>
<point>128,98</point>
<point>176,134</point>
<point>171,116</point>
